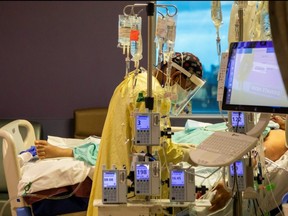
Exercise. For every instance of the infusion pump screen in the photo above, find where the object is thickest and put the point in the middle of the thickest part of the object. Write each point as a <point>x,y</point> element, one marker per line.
<point>142,172</point>
<point>238,167</point>
<point>109,179</point>
<point>238,119</point>
<point>143,122</point>
<point>177,178</point>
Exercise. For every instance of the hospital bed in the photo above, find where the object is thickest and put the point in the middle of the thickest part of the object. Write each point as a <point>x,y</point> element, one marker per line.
<point>4,197</point>
<point>13,143</point>
<point>13,147</point>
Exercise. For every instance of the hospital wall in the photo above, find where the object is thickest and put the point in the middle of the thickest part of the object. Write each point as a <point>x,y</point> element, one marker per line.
<point>58,56</point>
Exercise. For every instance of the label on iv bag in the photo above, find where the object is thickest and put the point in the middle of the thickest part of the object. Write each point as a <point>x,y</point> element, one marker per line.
<point>221,76</point>
<point>134,35</point>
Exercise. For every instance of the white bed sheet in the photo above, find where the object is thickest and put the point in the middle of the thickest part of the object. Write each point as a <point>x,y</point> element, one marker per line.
<point>55,172</point>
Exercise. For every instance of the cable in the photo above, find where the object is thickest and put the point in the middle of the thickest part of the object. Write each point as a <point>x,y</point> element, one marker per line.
<point>7,202</point>
<point>259,207</point>
<point>273,196</point>
<point>4,206</point>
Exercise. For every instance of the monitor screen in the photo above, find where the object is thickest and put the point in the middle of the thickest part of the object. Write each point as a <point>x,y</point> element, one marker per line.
<point>238,167</point>
<point>177,178</point>
<point>142,122</point>
<point>237,119</point>
<point>109,179</point>
<point>253,81</point>
<point>142,172</point>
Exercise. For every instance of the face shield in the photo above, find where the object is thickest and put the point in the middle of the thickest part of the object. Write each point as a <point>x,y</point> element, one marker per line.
<point>185,86</point>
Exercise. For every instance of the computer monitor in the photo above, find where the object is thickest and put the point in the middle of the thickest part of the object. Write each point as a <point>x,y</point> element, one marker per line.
<point>253,81</point>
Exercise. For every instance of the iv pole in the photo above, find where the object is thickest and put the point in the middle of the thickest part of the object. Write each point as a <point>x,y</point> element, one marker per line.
<point>237,203</point>
<point>150,9</point>
<point>149,100</point>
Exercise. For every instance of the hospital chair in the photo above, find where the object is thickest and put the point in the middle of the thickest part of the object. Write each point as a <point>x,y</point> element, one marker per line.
<point>89,121</point>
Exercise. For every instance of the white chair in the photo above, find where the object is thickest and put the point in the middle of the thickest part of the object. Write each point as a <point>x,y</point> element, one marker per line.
<point>13,143</point>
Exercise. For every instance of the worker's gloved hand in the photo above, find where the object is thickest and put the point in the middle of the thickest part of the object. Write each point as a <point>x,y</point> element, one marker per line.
<point>221,197</point>
<point>186,157</point>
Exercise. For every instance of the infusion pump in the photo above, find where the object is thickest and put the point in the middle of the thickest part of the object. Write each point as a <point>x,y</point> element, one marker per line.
<point>182,184</point>
<point>147,129</point>
<point>241,122</point>
<point>147,178</point>
<point>114,186</point>
<point>237,175</point>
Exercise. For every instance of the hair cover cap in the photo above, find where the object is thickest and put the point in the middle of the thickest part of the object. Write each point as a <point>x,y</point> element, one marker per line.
<point>189,62</point>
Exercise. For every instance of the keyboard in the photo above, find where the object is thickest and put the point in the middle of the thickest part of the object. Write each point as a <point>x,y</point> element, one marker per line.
<point>222,149</point>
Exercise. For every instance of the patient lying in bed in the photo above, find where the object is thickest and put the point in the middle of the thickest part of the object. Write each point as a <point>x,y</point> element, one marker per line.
<point>63,176</point>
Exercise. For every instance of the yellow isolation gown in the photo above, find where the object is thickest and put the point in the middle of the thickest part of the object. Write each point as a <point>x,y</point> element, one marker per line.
<point>116,146</point>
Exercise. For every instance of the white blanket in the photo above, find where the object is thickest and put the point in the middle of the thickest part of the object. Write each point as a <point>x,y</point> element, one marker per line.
<point>51,173</point>
<point>55,172</point>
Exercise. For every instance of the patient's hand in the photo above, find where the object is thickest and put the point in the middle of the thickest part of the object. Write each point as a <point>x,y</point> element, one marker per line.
<point>280,120</point>
<point>221,197</point>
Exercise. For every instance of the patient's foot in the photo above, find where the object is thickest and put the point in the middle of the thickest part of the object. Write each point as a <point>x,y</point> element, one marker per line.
<point>46,150</point>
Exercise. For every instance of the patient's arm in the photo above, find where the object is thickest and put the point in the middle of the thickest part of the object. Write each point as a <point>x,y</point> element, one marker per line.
<point>46,150</point>
<point>274,144</point>
<point>220,198</point>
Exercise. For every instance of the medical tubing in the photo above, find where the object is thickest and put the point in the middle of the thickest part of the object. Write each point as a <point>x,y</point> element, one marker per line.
<point>165,157</point>
<point>229,126</point>
<point>256,200</point>
<point>7,202</point>
<point>286,130</point>
<point>272,193</point>
<point>254,205</point>
<point>5,205</point>
<point>158,156</point>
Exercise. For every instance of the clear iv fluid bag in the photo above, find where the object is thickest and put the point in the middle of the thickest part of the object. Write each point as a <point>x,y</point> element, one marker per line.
<point>241,4</point>
<point>136,50</point>
<point>171,29</point>
<point>216,13</point>
<point>161,28</point>
<point>136,38</point>
<point>168,48</point>
<point>124,28</point>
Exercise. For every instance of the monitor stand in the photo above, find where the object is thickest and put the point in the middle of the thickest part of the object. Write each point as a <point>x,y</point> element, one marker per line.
<point>260,126</point>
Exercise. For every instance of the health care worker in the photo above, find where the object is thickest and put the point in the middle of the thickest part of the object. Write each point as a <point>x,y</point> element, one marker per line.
<point>116,142</point>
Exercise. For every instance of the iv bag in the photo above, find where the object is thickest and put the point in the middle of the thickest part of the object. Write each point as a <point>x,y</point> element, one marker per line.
<point>241,4</point>
<point>160,37</point>
<point>124,28</point>
<point>161,29</point>
<point>136,39</point>
<point>216,13</point>
<point>171,28</point>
